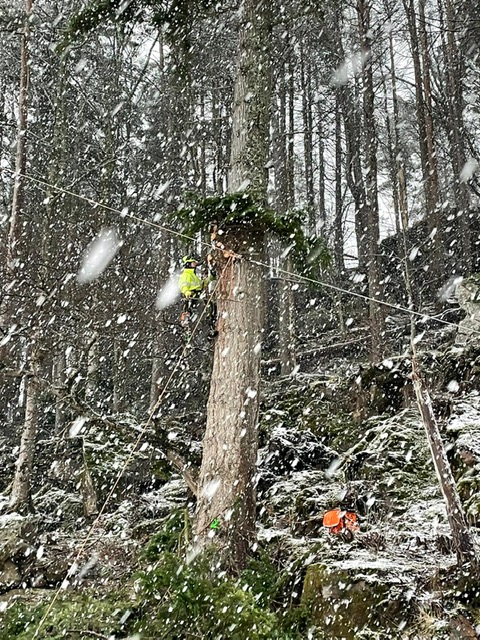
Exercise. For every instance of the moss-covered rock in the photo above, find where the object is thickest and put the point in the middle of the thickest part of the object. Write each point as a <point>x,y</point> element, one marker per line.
<point>346,600</point>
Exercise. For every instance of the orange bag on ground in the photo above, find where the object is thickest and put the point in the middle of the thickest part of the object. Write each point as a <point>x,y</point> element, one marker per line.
<point>337,520</point>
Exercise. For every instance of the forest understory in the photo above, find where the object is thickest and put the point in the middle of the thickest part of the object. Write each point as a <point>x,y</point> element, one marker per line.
<point>239,285</point>
<point>334,433</point>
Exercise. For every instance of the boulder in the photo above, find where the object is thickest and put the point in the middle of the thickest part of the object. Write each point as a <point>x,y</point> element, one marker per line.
<point>9,575</point>
<point>347,598</point>
<point>290,450</point>
<point>17,533</point>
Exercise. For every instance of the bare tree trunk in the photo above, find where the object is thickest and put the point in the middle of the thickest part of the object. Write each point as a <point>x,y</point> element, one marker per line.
<point>59,379</point>
<point>87,488</point>
<point>354,174</point>
<point>305,77</point>
<point>162,341</point>
<point>20,493</point>
<point>93,367</point>
<point>456,517</point>
<point>226,489</point>
<point>322,213</point>
<point>375,288</point>
<point>338,224</point>
<point>392,161</point>
<point>454,71</point>
<point>118,398</point>
<point>425,126</point>
<point>435,218</point>
<point>291,132</point>
<point>14,225</point>
<point>20,158</point>
<point>286,308</point>
<point>286,321</point>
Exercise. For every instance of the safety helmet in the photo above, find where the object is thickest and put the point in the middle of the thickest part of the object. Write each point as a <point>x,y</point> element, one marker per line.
<point>188,259</point>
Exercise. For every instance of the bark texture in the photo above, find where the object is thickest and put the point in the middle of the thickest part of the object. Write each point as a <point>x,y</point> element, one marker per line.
<point>227,476</point>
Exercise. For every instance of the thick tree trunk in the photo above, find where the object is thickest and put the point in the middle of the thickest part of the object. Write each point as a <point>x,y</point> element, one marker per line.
<point>226,489</point>
<point>227,477</point>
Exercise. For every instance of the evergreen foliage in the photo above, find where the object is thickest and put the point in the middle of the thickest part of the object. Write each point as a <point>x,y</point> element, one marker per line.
<point>310,254</point>
<point>202,601</point>
<point>172,15</point>
<point>76,615</point>
<point>173,598</point>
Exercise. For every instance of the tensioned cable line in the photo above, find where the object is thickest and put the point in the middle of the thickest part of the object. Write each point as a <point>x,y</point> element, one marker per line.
<point>160,399</point>
<point>126,214</point>
<point>362,296</point>
<point>74,565</point>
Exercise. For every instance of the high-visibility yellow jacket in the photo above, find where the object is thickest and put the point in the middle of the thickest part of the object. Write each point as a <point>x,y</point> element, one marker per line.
<point>190,284</point>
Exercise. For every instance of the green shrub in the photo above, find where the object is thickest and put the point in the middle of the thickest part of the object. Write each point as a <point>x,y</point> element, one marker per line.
<point>75,615</point>
<point>197,599</point>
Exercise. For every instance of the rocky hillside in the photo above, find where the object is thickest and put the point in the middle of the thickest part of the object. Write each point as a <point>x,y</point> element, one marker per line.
<point>337,433</point>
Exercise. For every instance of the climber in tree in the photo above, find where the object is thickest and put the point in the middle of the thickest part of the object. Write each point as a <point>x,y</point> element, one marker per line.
<point>191,286</point>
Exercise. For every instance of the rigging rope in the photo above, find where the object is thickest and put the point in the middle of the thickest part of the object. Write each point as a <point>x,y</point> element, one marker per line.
<point>74,566</point>
<point>126,214</point>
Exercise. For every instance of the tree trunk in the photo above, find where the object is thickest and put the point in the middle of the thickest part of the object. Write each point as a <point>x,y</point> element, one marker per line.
<point>20,499</point>
<point>305,77</point>
<point>93,368</point>
<point>286,322</point>
<point>322,213</point>
<point>434,212</point>
<point>375,287</point>
<point>454,70</point>
<point>227,486</point>
<point>14,225</point>
<point>286,308</point>
<point>227,477</point>
<point>59,380</point>
<point>338,224</point>
<point>425,126</point>
<point>456,517</point>
<point>20,158</point>
<point>87,489</point>
<point>354,174</point>
<point>118,366</point>
<point>291,133</point>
